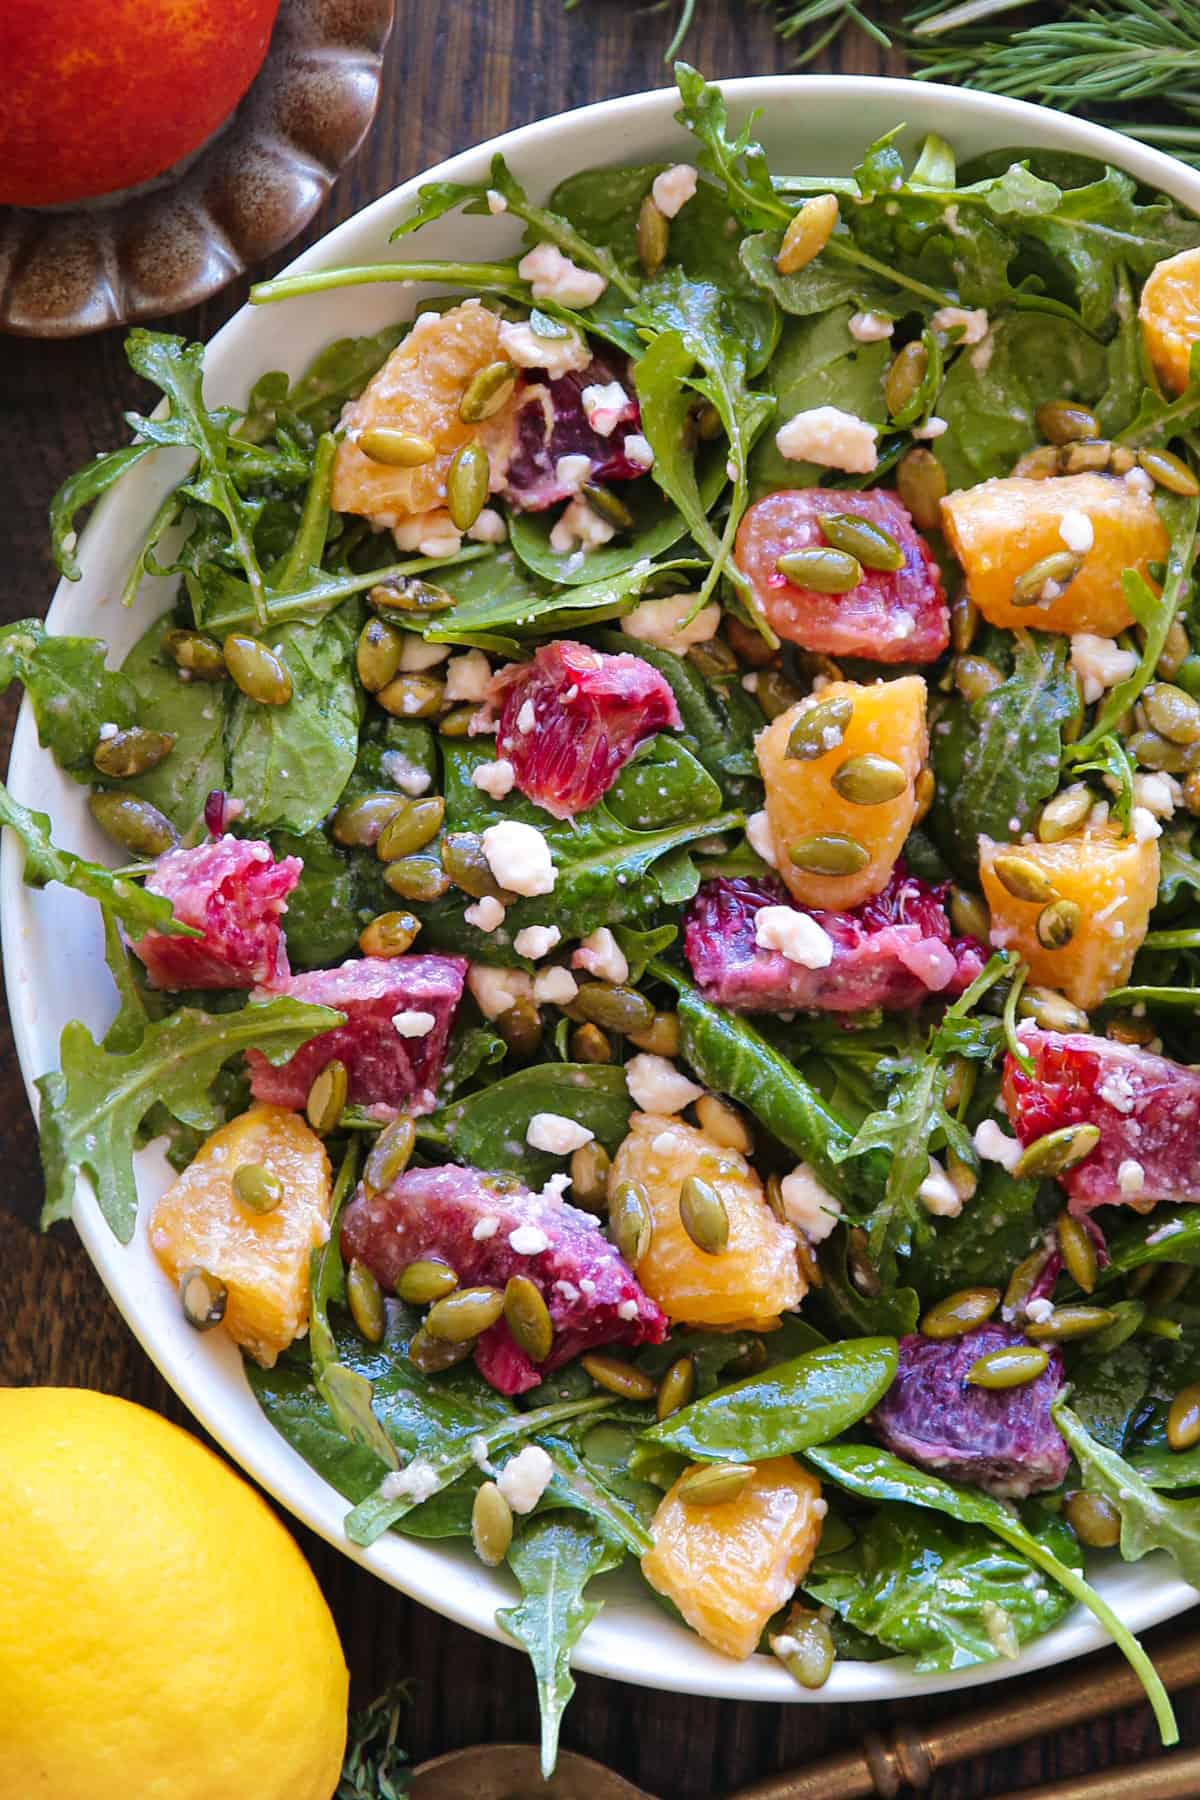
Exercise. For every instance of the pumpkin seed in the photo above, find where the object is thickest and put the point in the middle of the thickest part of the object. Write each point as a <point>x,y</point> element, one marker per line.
<point>975,677</point>
<point>1175,651</point>
<point>257,1189</point>
<point>969,914</point>
<point>1183,1419</point>
<point>820,728</point>
<point>1169,1282</point>
<point>964,621</point>
<point>959,1313</point>
<point>1120,459</point>
<point>1038,464</point>
<point>614,1008</point>
<point>1078,1252</point>
<point>1084,456</point>
<point>327,1098</point>
<point>412,696</point>
<point>924,793</point>
<point>457,722</point>
<point>134,824</point>
<point>723,1124</point>
<point>528,1318</point>
<point>676,1388</point>
<point>389,1154</point>
<point>1058,923</point>
<point>396,449</point>
<point>630,1222</point>
<point>746,643</point>
<point>874,547</point>
<point>708,422</point>
<point>417,878</point>
<point>960,1082</point>
<point>775,693</point>
<point>465,1314</point>
<point>806,1649</point>
<point>1123,1028</point>
<point>408,594</point>
<point>821,570</point>
<point>652,235</point>
<point>360,822</point>
<point>750,1361</point>
<point>863,1272</point>
<point>703,1216</point>
<point>377,654</point>
<point>1154,752</point>
<point>520,1025</point>
<point>467,482</point>
<point>1012,1366</point>
<point>389,934</point>
<point>921,484</point>
<point>1094,1520</point>
<point>431,1355</point>
<point>807,234</point>
<point>1024,1279</point>
<point>661,1036</point>
<point>589,1167</point>
<point>590,1045</point>
<point>203,1298</point>
<point>1023,879</point>
<point>870,780</point>
<point>196,653</point>
<point>426,1280</point>
<point>713,658</point>
<point>829,853</point>
<point>602,500</point>
<point>491,1525</point>
<point>468,868</point>
<point>1057,1151</point>
<point>1066,1323</point>
<point>1050,1010</point>
<point>1063,421</point>
<point>490,389</point>
<point>1053,572</point>
<point>806,1261</point>
<point>712,1484</point>
<point>1168,471</point>
<point>1172,713</point>
<point>617,1377</point>
<point>413,825</point>
<point>364,1296</point>
<point>132,752</point>
<point>905,375</point>
<point>256,671</point>
<point>1191,792</point>
<point>1065,813</point>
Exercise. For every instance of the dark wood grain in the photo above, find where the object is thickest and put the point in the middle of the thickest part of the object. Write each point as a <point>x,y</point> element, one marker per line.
<point>456,73</point>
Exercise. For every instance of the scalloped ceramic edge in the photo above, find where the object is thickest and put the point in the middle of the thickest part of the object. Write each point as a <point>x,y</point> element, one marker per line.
<point>52,940</point>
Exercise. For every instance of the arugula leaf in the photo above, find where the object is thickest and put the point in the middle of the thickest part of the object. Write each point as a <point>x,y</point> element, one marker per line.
<point>82,489</point>
<point>137,909</point>
<point>1108,1391</point>
<point>313,403</point>
<point>487,1128</point>
<point>994,1231</point>
<point>844,1310</point>
<point>94,1103</point>
<point>664,396</point>
<point>738,163</point>
<point>818,363</point>
<point>947,1595</point>
<point>1168,1234</point>
<point>1148,1520</point>
<point>70,690</point>
<point>554,1558</point>
<point>878,1475</point>
<point>822,284</point>
<point>496,595</point>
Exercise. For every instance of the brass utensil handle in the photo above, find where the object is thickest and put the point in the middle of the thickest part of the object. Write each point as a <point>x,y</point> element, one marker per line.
<point>1175,1775</point>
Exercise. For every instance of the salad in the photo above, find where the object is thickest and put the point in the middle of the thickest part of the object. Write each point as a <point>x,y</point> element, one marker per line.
<point>658,921</point>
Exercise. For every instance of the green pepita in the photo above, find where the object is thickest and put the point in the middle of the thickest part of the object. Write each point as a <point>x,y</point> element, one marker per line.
<point>203,1299</point>
<point>417,878</point>
<point>1065,813</point>
<point>425,1281</point>
<point>964,622</point>
<point>1078,1252</point>
<point>360,822</point>
<point>1023,879</point>
<point>520,1025</point>
<point>775,692</point>
<point>905,375</point>
<point>1051,1011</point>
<point>1057,1151</point>
<point>652,235</point>
<point>465,1314</point>
<point>134,824</point>
<point>1024,1279</point>
<point>588,1168</point>
<point>467,866</point>
<point>467,482</point>
<point>408,594</point>
<point>396,449</point>
<point>713,1484</point>
<point>257,1189</point>
<point>713,658</point>
<point>661,1036</point>
<point>829,853</point>
<point>603,501</point>
<point>132,752</point>
<point>969,914</point>
<point>863,1272</point>
<point>617,1377</point>
<point>590,1045</point>
<point>196,653</point>
<point>1175,651</point>
<point>1152,751</point>
<point>1183,1419</point>
<point>630,1222</point>
<point>1045,579</point>
<point>1172,713</point>
<point>1168,471</point>
<point>389,1155</point>
<point>412,696</point>
<point>487,392</point>
<point>528,1318</point>
<point>414,824</point>
<point>676,1388</point>
<point>1011,1366</point>
<point>364,1296</point>
<point>874,547</point>
<point>327,1098</point>
<point>808,232</point>
<point>870,780</point>
<point>1085,456</point>
<point>1064,421</point>
<point>806,1648</point>
<point>921,484</point>
<point>976,677</point>
<point>820,728</point>
<point>491,1525</point>
<point>1057,924</point>
<point>959,1313</point>
<point>457,722</point>
<point>377,654</point>
<point>1066,1323</point>
<point>1094,1520</point>
<point>431,1355</point>
<point>389,934</point>
<point>821,570</point>
<point>614,1008</point>
<point>703,1216</point>
<point>256,671</point>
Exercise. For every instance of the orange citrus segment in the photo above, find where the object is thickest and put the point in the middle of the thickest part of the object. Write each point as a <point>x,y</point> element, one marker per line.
<point>729,1567</point>
<point>1169,311</point>
<point>261,1258</point>
<point>756,1276</point>
<point>1114,882</point>
<point>888,721</point>
<point>1001,528</point>
<point>417,392</point>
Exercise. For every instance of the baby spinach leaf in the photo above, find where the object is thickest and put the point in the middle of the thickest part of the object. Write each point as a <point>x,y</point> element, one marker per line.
<point>1108,1391</point>
<point>1148,1520</point>
<point>93,1104</point>
<point>822,284</point>
<point>718,728</point>
<point>657,524</point>
<point>817,363</point>
<point>194,713</point>
<point>290,763</point>
<point>842,1308</point>
<point>878,1475</point>
<point>137,909</point>
<point>473,1048</point>
<point>69,688</point>
<point>487,1128</point>
<point>496,595</point>
<point>554,1558</point>
<point>816,1397</point>
<point>82,489</point>
<point>325,911</point>
<point>948,1595</point>
<point>663,784</point>
<point>738,163</point>
<point>993,1232</point>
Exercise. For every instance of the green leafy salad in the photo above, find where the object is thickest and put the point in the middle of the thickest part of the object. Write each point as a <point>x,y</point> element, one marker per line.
<point>657,909</point>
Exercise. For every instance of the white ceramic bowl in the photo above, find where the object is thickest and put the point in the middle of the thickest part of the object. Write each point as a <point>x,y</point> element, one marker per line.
<point>52,940</point>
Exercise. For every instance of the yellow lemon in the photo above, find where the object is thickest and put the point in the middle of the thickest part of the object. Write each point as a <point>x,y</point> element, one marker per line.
<point>160,1633</point>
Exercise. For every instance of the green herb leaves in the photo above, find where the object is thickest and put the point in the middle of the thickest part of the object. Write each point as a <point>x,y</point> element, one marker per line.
<point>138,910</point>
<point>1149,1520</point>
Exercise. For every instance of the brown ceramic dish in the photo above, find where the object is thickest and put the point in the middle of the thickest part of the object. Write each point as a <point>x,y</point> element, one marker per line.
<point>65,272</point>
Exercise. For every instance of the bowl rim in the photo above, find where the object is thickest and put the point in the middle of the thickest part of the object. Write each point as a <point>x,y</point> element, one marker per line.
<point>1149,1591</point>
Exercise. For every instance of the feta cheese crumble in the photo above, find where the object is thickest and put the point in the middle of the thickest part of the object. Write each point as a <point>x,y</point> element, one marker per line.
<point>939,1194</point>
<point>554,987</point>
<point>1099,663</point>
<point>525,1477</point>
<point>559,356</point>
<point>1039,1310</point>
<point>603,404</point>
<point>414,1024</point>
<point>628,1309</point>
<point>572,471</point>
<point>494,991</point>
<point>796,934</point>
<point>468,677</point>
<point>657,1086</point>
<point>758,834</point>
<point>674,188</point>
<point>665,622</point>
<point>808,1206</point>
<point>1076,531</point>
<point>496,203</point>
<point>601,955</point>
<point>485,1228</point>
<point>636,450</point>
<point>994,1145</point>
<point>536,941</point>
<point>831,437</point>
<point>553,276</point>
<point>519,857</point>
<point>870,327</point>
<point>485,914</point>
<point>489,527</point>
<point>420,1481</point>
<point>526,718</point>
<point>1131,1177</point>
<point>578,524</point>
<point>528,1240</point>
<point>556,1135</point>
<point>974,322</point>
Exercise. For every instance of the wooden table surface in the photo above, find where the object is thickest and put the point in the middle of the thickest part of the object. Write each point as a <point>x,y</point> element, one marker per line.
<point>457,73</point>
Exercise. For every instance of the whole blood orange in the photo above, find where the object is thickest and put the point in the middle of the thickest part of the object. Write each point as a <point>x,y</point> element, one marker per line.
<point>102,94</point>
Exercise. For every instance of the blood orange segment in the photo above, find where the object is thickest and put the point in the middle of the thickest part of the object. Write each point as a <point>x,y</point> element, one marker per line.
<point>261,1258</point>
<point>887,720</point>
<point>890,616</point>
<point>233,891</point>
<point>755,1278</point>
<point>1003,528</point>
<point>1113,880</point>
<point>729,1567</point>
<point>1169,311</point>
<point>551,423</point>
<point>417,392</point>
